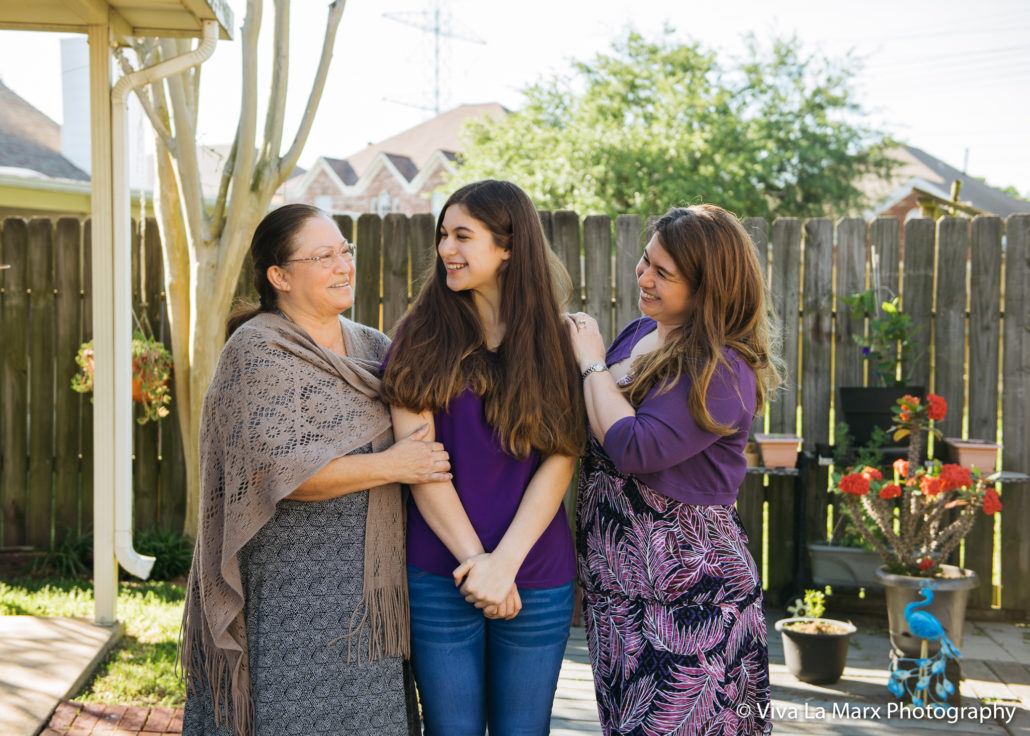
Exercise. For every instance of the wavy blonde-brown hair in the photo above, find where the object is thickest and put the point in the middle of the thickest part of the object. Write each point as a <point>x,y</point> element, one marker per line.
<point>729,309</point>
<point>530,388</point>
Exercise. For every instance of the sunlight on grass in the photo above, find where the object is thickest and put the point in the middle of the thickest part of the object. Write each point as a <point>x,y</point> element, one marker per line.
<point>141,669</point>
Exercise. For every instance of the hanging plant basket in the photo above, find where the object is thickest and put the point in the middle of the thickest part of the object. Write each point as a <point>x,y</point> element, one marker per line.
<point>151,374</point>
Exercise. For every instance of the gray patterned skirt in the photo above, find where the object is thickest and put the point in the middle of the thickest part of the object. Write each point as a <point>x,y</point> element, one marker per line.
<point>302,577</point>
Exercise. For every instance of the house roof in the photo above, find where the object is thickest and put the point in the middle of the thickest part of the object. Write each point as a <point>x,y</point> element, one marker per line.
<point>919,170</point>
<point>31,141</point>
<point>418,144</point>
<point>342,168</point>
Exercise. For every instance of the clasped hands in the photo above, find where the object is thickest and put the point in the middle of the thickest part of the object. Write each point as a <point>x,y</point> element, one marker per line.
<point>488,582</point>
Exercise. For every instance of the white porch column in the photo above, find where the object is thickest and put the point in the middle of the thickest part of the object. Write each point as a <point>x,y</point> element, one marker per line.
<point>107,402</point>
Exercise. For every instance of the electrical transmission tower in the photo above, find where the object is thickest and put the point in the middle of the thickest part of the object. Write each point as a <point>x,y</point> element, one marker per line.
<point>438,23</point>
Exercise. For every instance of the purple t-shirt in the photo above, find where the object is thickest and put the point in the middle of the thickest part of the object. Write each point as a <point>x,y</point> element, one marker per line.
<point>663,446</point>
<point>490,484</point>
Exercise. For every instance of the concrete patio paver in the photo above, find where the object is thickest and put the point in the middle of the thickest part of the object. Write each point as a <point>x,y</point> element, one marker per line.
<point>996,666</point>
<point>42,661</point>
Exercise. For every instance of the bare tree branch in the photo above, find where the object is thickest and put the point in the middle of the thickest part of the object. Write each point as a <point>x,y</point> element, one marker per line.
<point>217,220</point>
<point>286,164</point>
<point>187,157</point>
<point>277,96</point>
<point>243,164</point>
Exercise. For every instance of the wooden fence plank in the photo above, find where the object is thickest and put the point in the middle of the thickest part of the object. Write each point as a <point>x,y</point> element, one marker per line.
<point>751,496</point>
<point>368,263</point>
<point>785,288</point>
<point>851,278</point>
<point>15,236</point>
<point>984,342</point>
<point>597,260</point>
<point>917,294</point>
<point>396,258</point>
<point>67,403</point>
<point>86,417</point>
<point>566,244</point>
<point>172,479</point>
<point>885,239</point>
<point>147,276</point>
<point>629,240</point>
<point>423,250</point>
<point>39,508</point>
<point>1015,516</point>
<point>950,320</point>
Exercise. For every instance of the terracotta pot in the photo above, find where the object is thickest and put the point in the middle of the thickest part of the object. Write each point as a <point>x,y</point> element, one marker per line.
<point>778,450</point>
<point>969,453</point>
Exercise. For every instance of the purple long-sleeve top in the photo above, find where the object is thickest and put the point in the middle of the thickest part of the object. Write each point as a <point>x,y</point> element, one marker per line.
<point>665,448</point>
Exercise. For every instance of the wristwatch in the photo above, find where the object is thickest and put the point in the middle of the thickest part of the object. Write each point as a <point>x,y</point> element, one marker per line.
<point>595,368</point>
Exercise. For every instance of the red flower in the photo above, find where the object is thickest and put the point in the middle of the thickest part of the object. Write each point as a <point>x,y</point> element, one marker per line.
<point>991,501</point>
<point>930,486</point>
<point>891,490</point>
<point>871,473</point>
<point>954,476</point>
<point>855,484</point>
<point>905,416</point>
<point>901,467</point>
<point>937,408</point>
<point>909,401</point>
<point>925,564</point>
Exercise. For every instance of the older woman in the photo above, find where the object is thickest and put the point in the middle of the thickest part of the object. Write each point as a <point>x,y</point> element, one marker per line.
<point>296,616</point>
<point>673,600</point>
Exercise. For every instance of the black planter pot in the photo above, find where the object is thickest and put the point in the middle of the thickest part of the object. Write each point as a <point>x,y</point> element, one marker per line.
<point>818,659</point>
<point>866,407</point>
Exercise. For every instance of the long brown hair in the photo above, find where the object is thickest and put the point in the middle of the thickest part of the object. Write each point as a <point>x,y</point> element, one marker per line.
<point>272,243</point>
<point>530,389</point>
<point>729,309</point>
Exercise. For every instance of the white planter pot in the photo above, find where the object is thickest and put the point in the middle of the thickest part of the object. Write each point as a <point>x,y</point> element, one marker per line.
<point>845,566</point>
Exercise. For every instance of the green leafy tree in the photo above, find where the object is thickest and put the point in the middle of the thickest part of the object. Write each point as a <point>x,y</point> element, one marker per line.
<point>654,124</point>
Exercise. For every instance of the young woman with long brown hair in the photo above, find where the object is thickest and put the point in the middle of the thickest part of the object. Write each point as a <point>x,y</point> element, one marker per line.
<point>672,598</point>
<point>483,356</point>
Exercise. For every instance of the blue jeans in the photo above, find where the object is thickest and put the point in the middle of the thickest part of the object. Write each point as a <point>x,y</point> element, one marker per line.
<point>472,671</point>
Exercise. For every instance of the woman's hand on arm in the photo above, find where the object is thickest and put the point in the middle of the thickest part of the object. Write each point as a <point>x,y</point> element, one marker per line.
<point>416,458</point>
<point>489,577</point>
<point>436,499</point>
<point>605,403</point>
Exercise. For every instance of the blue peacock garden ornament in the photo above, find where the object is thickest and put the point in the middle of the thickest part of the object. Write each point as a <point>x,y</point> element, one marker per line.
<point>924,679</point>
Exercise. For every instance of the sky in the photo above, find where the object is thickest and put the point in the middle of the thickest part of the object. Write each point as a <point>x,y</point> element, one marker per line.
<point>949,77</point>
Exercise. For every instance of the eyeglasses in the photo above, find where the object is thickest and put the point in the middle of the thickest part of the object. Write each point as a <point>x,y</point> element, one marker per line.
<point>346,252</point>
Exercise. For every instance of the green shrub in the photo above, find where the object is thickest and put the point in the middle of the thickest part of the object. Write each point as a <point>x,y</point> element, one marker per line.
<point>174,552</point>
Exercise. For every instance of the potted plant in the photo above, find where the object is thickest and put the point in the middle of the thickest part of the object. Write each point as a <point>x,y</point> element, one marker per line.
<point>151,373</point>
<point>919,516</point>
<point>815,649</point>
<point>890,353</point>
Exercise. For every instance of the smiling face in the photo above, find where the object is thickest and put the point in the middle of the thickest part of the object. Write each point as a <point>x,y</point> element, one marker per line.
<point>468,251</point>
<point>322,290</point>
<point>665,295</point>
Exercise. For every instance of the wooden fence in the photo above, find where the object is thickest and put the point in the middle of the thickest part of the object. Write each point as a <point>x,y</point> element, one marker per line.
<point>966,283</point>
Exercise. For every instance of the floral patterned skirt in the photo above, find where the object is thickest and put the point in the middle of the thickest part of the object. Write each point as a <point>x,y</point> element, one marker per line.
<point>673,610</point>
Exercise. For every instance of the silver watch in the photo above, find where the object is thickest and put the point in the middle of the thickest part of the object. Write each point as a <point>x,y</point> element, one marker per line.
<point>595,368</point>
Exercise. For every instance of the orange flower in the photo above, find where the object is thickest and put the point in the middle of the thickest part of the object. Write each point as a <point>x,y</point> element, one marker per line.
<point>930,486</point>
<point>871,473</point>
<point>891,490</point>
<point>901,467</point>
<point>910,402</point>
<point>954,476</point>
<point>937,406</point>
<point>855,484</point>
<point>925,564</point>
<point>905,416</point>
<point>991,501</point>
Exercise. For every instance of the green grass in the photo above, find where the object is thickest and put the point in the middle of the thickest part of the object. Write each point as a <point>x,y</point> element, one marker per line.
<point>141,668</point>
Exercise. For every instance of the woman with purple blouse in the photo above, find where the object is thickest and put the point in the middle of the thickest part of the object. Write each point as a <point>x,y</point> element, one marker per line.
<point>672,597</point>
<point>483,358</point>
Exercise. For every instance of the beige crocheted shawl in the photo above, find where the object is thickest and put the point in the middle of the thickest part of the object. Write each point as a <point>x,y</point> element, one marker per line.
<point>279,408</point>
